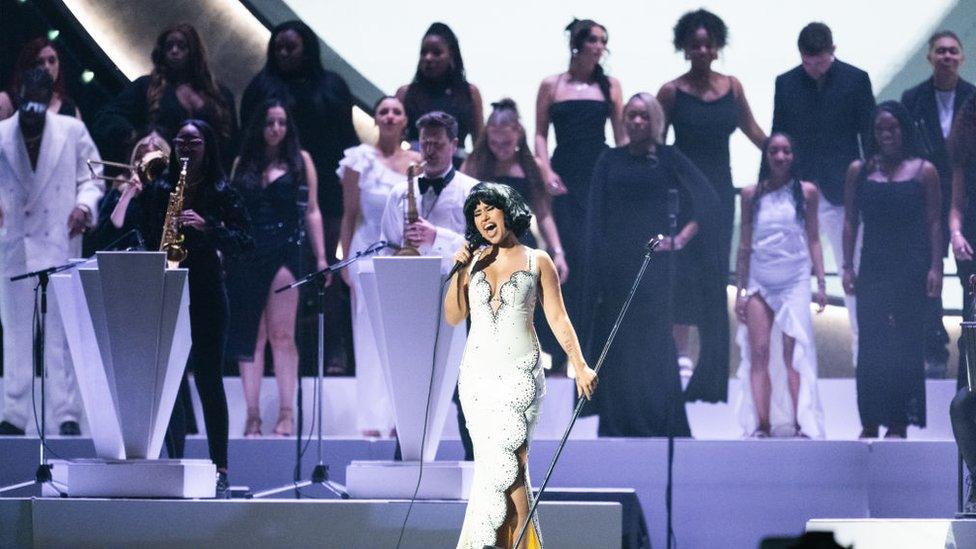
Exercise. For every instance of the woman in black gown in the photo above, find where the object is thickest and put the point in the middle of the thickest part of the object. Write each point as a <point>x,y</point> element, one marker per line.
<point>705,108</point>
<point>214,223</point>
<point>896,194</point>
<point>640,391</point>
<point>502,155</point>
<point>180,86</point>
<point>321,105</point>
<point>276,178</point>
<point>440,84</point>
<point>578,103</point>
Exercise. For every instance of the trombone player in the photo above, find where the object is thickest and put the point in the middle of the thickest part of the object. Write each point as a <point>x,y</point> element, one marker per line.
<point>48,199</point>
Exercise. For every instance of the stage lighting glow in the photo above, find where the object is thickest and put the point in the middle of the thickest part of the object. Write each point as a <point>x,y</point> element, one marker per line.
<point>53,34</point>
<point>87,76</point>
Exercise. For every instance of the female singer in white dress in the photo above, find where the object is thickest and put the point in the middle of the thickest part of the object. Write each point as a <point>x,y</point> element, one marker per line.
<point>368,173</point>
<point>779,243</point>
<point>501,382</point>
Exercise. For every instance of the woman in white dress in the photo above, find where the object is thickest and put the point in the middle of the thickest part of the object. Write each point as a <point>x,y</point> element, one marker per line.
<point>779,244</point>
<point>368,173</point>
<point>501,382</point>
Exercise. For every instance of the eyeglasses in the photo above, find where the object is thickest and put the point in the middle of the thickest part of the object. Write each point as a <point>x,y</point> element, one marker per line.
<point>193,143</point>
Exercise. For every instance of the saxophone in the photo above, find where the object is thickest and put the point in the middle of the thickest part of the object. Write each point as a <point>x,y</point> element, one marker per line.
<point>172,240</point>
<point>411,214</point>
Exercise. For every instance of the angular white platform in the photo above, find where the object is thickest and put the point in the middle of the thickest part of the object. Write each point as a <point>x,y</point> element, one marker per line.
<point>133,478</point>
<point>896,533</point>
<point>398,479</point>
<point>234,524</point>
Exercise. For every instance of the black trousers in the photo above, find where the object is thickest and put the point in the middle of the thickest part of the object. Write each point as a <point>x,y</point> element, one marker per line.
<point>208,331</point>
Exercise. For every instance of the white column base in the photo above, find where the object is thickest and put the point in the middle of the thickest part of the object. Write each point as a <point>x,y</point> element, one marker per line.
<point>134,478</point>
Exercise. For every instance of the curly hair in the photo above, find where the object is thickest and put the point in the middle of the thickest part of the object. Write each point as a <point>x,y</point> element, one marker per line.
<point>508,200</point>
<point>689,24</point>
<point>198,73</point>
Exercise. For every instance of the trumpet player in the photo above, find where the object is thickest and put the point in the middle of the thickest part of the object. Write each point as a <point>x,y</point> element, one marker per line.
<point>48,199</point>
<point>213,223</point>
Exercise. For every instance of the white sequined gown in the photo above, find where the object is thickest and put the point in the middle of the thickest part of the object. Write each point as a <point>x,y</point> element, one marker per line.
<point>501,384</point>
<point>779,271</point>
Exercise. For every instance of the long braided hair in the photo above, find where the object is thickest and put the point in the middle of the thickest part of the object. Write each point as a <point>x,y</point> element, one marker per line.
<point>796,188</point>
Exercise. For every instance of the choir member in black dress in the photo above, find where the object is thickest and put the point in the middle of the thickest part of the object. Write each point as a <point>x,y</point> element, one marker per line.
<point>826,106</point>
<point>502,154</point>
<point>705,107</point>
<point>933,105</point>
<point>321,105</point>
<point>179,87</point>
<point>440,84</point>
<point>215,224</point>
<point>896,194</point>
<point>578,103</point>
<point>276,178</point>
<point>39,52</point>
<point>640,391</point>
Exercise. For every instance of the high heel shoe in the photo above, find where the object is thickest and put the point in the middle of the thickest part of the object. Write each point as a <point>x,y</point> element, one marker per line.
<point>869,431</point>
<point>285,426</point>
<point>252,426</point>
<point>896,430</point>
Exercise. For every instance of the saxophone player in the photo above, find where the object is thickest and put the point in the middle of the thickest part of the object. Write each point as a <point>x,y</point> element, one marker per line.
<point>440,192</point>
<point>214,224</point>
<point>439,228</point>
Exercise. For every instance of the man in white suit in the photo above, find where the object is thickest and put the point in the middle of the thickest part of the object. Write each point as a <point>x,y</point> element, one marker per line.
<point>440,192</point>
<point>48,198</point>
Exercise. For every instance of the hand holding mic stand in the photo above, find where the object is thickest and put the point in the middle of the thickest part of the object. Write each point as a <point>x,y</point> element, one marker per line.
<point>320,474</point>
<point>648,251</point>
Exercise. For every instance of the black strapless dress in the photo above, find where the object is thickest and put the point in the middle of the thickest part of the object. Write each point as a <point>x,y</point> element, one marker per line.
<point>275,221</point>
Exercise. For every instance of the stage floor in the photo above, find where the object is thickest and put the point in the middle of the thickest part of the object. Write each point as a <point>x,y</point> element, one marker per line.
<point>726,493</point>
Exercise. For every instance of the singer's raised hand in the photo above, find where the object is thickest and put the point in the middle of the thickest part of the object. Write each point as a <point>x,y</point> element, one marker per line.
<point>463,255</point>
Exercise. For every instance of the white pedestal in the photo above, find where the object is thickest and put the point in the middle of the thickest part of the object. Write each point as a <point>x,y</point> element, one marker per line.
<point>134,478</point>
<point>398,479</point>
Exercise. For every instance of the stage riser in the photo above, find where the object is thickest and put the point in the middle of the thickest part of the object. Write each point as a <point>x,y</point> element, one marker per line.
<point>708,421</point>
<point>277,523</point>
<point>888,534</point>
<point>727,493</point>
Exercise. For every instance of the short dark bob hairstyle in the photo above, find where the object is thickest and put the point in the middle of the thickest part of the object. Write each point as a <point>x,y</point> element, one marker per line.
<point>508,200</point>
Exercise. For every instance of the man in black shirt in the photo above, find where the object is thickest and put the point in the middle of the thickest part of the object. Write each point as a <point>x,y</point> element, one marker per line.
<point>826,106</point>
<point>933,105</point>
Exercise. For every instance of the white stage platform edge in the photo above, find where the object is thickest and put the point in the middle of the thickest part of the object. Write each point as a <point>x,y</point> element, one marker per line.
<point>237,524</point>
<point>899,533</point>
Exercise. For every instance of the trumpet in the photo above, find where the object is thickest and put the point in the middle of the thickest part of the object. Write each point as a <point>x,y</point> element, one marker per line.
<point>149,167</point>
<point>410,215</point>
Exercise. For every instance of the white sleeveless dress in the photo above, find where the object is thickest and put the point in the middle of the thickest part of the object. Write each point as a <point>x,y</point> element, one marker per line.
<point>501,384</point>
<point>376,181</point>
<point>779,271</point>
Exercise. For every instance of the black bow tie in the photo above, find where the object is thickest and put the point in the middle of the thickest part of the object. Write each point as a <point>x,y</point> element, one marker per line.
<point>427,182</point>
<point>437,183</point>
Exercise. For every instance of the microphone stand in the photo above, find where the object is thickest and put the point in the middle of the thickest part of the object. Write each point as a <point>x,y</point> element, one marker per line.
<point>673,207</point>
<point>320,474</point>
<point>648,251</point>
<point>43,474</point>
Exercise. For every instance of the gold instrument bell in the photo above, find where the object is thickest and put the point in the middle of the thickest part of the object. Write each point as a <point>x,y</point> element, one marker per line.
<point>149,167</point>
<point>410,214</point>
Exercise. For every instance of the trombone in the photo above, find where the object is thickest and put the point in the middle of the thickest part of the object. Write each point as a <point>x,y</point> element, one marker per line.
<point>149,167</point>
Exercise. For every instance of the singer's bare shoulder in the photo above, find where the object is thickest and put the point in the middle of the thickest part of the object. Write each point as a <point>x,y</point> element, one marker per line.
<point>544,261</point>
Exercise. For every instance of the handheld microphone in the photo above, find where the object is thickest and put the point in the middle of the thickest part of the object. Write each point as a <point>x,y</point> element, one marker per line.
<point>458,265</point>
